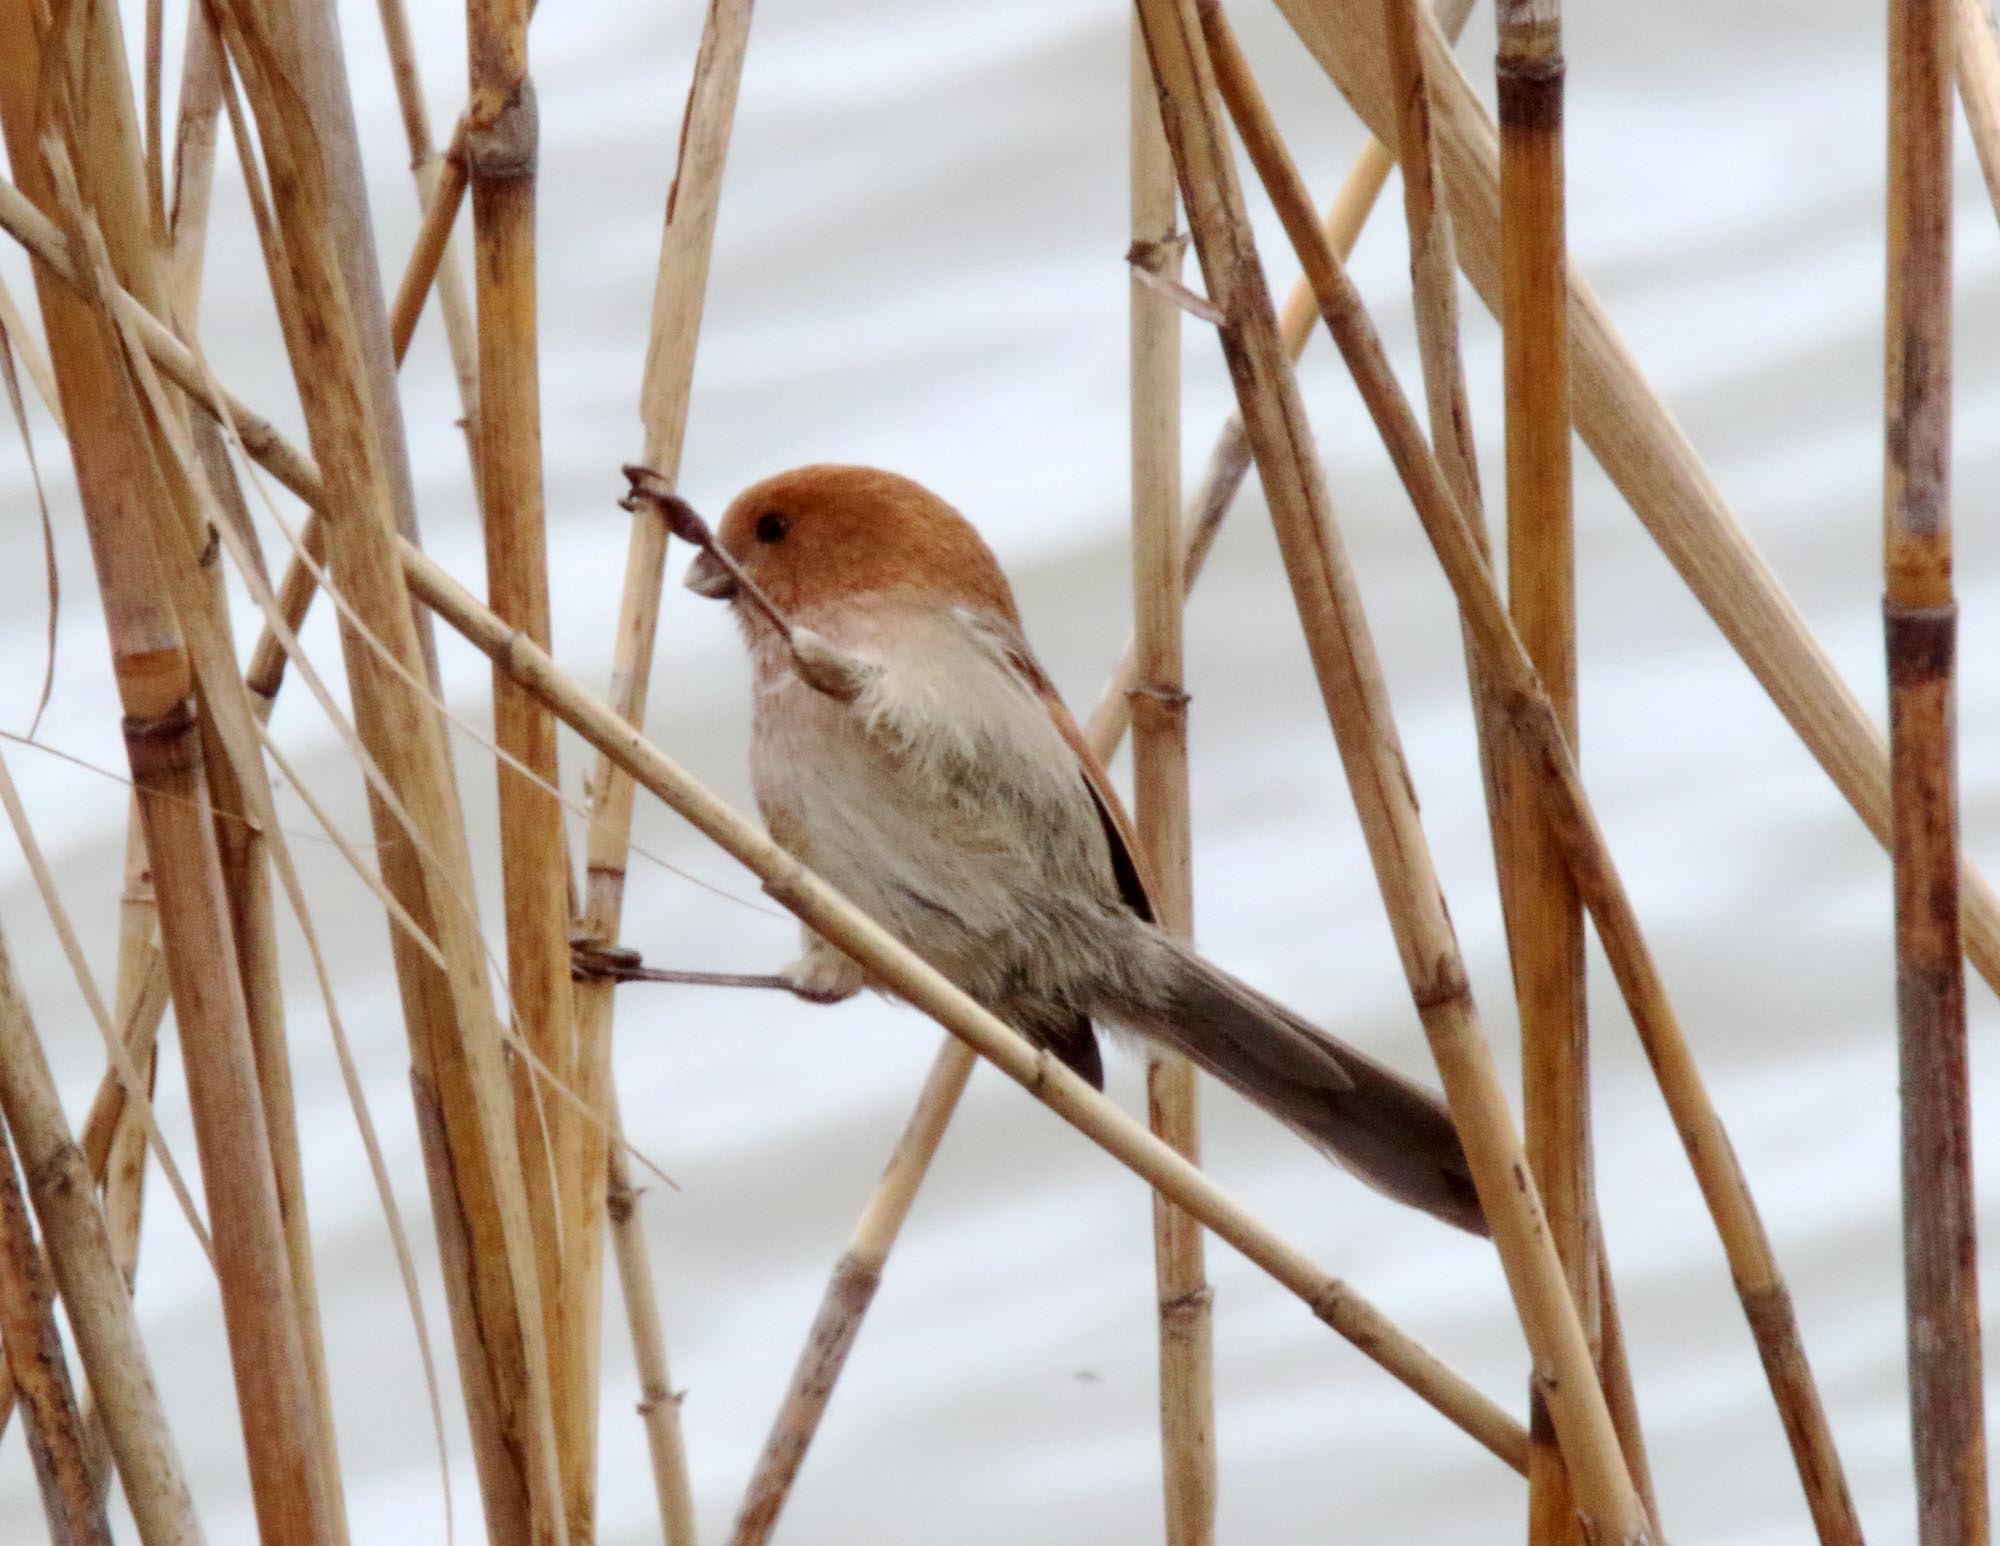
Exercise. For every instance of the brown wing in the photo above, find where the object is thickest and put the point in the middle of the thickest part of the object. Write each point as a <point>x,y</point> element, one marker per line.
<point>1133,882</point>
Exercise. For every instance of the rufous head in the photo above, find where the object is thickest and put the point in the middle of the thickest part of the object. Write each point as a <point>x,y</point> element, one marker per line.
<point>822,536</point>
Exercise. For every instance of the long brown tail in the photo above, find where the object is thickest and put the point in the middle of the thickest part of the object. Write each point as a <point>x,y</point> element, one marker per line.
<point>1390,1131</point>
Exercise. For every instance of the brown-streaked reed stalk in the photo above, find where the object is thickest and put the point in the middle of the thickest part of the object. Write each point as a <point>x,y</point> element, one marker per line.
<point>211,906</point>
<point>1920,623</point>
<point>1976,48</point>
<point>1628,428</point>
<point>687,240</point>
<point>95,1299</point>
<point>1544,917</point>
<point>501,145</point>
<point>1537,727</point>
<point>1344,660</point>
<point>888,960</point>
<point>34,1360</point>
<point>1160,798</point>
<point>289,56</point>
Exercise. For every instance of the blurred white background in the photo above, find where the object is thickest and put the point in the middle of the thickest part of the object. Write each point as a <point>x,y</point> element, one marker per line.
<point>920,264</point>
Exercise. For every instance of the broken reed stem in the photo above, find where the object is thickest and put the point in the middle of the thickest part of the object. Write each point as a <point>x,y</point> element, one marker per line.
<point>1544,918</point>
<point>501,147</point>
<point>1641,448</point>
<point>1533,719</point>
<point>1229,460</point>
<point>427,167</point>
<point>1920,619</point>
<point>95,1299</point>
<point>1358,707</point>
<point>289,55</point>
<point>821,908</point>
<point>34,1358</point>
<point>1160,786</point>
<point>1976,47</point>
<point>849,1292</point>
<point>680,289</point>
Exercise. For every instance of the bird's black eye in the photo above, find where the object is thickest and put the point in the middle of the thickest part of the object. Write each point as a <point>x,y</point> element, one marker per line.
<point>772,526</point>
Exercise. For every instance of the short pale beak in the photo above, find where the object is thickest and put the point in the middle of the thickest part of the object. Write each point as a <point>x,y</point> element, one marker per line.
<point>707,577</point>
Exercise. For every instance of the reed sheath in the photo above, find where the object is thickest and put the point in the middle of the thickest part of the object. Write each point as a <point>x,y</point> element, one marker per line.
<point>1976,49</point>
<point>1920,621</point>
<point>1566,808</point>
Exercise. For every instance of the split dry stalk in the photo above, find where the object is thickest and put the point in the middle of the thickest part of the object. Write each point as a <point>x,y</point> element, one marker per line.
<point>501,147</point>
<point>34,1360</point>
<point>1566,808</point>
<point>849,1292</point>
<point>1636,440</point>
<point>1357,703</point>
<point>1160,787</point>
<point>1976,47</point>
<point>824,910</point>
<point>95,1300</point>
<point>1544,918</point>
<point>1920,620</point>
<point>289,56</point>
<point>285,1435</point>
<point>680,288</point>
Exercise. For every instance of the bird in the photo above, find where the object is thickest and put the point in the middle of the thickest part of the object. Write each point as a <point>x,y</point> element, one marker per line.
<point>907,745</point>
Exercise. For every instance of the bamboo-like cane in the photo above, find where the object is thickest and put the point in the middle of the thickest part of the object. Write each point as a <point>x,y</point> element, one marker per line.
<point>95,1300</point>
<point>1357,704</point>
<point>680,289</point>
<point>34,1358</point>
<point>501,148</point>
<point>428,167</point>
<point>1533,719</point>
<point>289,55</point>
<point>848,1294</point>
<point>820,907</point>
<point>1641,448</point>
<point>1160,790</point>
<point>1920,619</point>
<point>1544,917</point>
<point>285,1437</point>
<point>1976,47</point>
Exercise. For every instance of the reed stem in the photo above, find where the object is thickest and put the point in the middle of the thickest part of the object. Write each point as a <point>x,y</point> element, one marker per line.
<point>1357,705</point>
<point>1920,618</point>
<point>1976,48</point>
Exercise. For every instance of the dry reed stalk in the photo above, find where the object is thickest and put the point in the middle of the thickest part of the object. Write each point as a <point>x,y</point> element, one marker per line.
<point>284,1435</point>
<point>289,55</point>
<point>1544,917</point>
<point>1160,789</point>
<point>1357,704</point>
<point>1229,460</point>
<point>34,1359</point>
<point>1920,621</point>
<point>1640,447</point>
<point>95,1299</point>
<point>1976,47</point>
<point>142,974</point>
<point>1534,721</point>
<point>816,904</point>
<point>501,148</point>
<point>428,168</point>
<point>849,1292</point>
<point>687,240</point>
<point>194,162</point>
